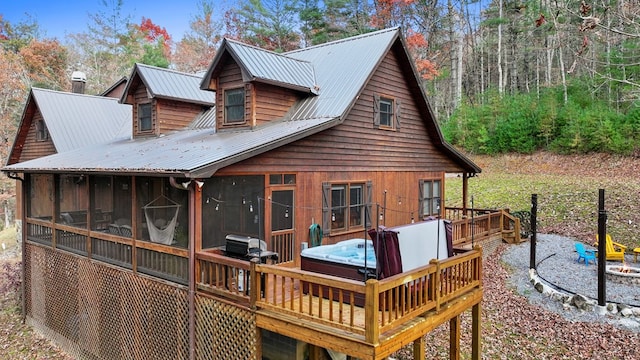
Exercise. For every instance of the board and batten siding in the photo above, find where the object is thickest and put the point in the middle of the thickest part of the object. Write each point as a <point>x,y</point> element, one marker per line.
<point>33,148</point>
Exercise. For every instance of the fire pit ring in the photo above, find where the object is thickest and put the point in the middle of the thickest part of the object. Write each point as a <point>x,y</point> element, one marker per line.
<point>623,274</point>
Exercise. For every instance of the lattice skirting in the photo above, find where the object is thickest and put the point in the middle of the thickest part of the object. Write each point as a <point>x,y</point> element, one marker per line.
<point>95,311</point>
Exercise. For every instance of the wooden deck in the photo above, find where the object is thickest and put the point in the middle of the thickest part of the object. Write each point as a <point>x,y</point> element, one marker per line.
<point>318,309</point>
<point>396,312</point>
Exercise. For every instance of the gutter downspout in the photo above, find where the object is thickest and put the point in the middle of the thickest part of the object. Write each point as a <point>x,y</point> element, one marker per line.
<point>23,311</point>
<point>192,260</point>
<point>192,272</point>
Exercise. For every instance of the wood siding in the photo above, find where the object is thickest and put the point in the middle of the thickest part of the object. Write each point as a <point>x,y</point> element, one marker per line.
<point>272,102</point>
<point>33,148</point>
<point>263,102</point>
<point>394,160</point>
<point>140,96</point>
<point>357,145</point>
<point>175,115</point>
<point>231,78</point>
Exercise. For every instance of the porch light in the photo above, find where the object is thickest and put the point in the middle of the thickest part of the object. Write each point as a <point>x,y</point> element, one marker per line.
<point>286,212</point>
<point>217,206</point>
<point>250,207</point>
<point>333,216</point>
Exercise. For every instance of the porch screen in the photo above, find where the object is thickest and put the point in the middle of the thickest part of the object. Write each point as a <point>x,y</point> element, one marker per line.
<point>161,231</point>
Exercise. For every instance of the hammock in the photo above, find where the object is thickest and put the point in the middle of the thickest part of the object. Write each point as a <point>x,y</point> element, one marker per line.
<point>157,233</point>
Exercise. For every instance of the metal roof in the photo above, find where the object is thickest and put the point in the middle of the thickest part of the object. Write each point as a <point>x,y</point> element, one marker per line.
<point>194,153</point>
<point>342,68</point>
<point>77,120</point>
<point>269,67</point>
<point>170,84</point>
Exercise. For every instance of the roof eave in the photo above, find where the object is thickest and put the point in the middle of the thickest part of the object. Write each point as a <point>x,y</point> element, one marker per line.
<point>210,169</point>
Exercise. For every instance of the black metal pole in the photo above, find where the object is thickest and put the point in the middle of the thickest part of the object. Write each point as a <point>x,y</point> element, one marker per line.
<point>534,231</point>
<point>602,256</point>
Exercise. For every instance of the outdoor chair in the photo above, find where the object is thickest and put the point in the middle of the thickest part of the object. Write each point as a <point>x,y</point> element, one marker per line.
<point>614,250</point>
<point>125,230</point>
<point>114,229</point>
<point>584,254</point>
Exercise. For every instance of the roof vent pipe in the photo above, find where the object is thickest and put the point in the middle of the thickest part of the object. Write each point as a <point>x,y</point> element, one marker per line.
<point>78,82</point>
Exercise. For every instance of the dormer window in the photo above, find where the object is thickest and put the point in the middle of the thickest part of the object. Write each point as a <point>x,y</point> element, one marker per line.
<point>42,134</point>
<point>234,106</point>
<point>144,117</point>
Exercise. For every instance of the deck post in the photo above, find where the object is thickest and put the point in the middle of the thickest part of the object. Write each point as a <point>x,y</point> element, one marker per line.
<point>454,338</point>
<point>418,348</point>
<point>475,332</point>
<point>436,283</point>
<point>371,306</point>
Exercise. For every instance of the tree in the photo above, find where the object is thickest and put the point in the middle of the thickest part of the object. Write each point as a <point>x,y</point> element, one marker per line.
<point>46,64</point>
<point>14,80</point>
<point>104,52</point>
<point>149,44</point>
<point>269,24</point>
<point>198,47</point>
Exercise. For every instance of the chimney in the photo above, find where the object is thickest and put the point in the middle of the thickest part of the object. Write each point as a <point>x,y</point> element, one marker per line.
<point>78,80</point>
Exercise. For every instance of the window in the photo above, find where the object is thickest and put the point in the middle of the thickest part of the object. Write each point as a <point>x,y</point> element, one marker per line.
<point>386,112</point>
<point>346,206</point>
<point>42,133</point>
<point>430,198</point>
<point>234,106</point>
<point>144,117</point>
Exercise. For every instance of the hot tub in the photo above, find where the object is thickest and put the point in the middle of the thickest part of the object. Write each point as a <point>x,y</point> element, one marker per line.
<point>344,259</point>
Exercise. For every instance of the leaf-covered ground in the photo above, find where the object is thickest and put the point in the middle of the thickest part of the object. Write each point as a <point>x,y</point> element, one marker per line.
<point>567,188</point>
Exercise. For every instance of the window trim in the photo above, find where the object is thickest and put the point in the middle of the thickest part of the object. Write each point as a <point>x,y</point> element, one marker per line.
<point>394,122</point>
<point>42,132</point>
<point>140,119</point>
<point>328,208</point>
<point>433,201</point>
<point>226,106</point>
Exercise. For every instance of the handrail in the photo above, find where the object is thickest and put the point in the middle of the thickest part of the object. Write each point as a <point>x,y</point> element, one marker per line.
<point>387,303</point>
<point>223,276</point>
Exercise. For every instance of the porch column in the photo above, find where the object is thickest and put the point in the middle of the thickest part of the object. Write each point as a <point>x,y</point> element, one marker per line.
<point>454,338</point>
<point>475,332</point>
<point>465,188</point>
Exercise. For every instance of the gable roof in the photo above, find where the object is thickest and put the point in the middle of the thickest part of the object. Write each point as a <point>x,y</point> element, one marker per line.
<point>169,84</point>
<point>342,69</point>
<point>77,120</point>
<point>264,66</point>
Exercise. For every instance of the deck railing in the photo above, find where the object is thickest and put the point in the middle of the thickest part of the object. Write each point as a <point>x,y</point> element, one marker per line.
<point>471,227</point>
<point>223,276</point>
<point>168,263</point>
<point>387,303</point>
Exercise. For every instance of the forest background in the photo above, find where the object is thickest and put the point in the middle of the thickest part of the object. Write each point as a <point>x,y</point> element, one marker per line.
<point>502,76</point>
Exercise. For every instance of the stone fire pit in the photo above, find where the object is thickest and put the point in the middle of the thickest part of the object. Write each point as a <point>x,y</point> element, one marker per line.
<point>623,274</point>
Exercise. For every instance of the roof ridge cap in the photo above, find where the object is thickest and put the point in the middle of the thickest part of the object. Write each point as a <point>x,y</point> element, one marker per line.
<point>347,39</point>
<point>151,67</point>
<point>267,51</point>
<point>60,92</point>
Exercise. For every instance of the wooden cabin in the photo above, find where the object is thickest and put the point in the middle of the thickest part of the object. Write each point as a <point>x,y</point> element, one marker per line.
<point>128,225</point>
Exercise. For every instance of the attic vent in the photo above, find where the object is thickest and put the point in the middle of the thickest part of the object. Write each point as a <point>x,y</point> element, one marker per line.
<point>78,81</point>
